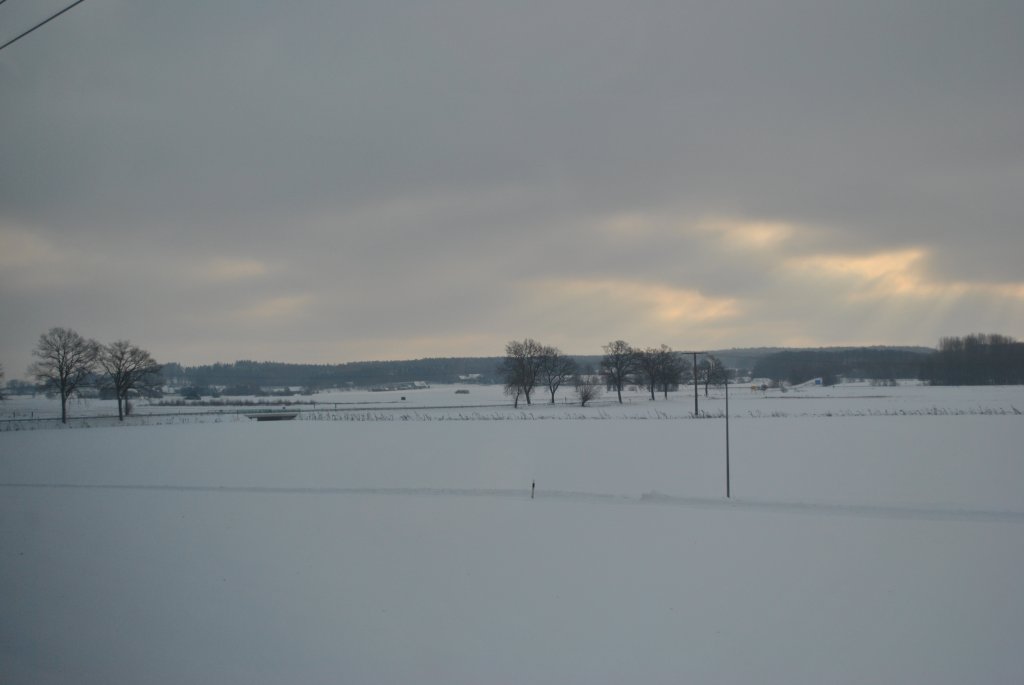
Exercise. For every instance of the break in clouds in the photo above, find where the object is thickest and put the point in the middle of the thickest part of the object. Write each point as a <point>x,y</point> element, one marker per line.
<point>338,181</point>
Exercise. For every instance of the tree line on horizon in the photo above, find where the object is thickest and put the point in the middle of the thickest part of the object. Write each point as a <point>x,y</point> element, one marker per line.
<point>785,365</point>
<point>799,366</point>
<point>977,359</point>
<point>67,361</point>
<point>322,376</point>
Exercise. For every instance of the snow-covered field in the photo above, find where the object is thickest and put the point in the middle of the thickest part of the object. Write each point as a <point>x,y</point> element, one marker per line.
<point>488,402</point>
<point>874,535</point>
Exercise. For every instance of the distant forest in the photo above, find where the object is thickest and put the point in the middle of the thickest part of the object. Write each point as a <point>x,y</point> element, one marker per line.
<point>251,374</point>
<point>976,360</point>
<point>979,359</point>
<point>868,363</point>
<point>245,377</point>
<point>973,360</point>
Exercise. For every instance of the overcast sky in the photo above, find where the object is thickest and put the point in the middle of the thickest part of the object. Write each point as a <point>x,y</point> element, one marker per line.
<point>330,181</point>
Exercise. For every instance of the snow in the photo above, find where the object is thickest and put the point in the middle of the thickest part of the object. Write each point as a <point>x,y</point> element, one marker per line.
<point>488,401</point>
<point>862,546</point>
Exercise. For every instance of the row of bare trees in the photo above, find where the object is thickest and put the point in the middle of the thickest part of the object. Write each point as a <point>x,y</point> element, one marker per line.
<point>67,361</point>
<point>528,364</point>
<point>658,369</point>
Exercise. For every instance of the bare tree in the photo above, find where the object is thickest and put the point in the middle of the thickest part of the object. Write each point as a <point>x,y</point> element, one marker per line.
<point>128,368</point>
<point>66,361</point>
<point>711,371</point>
<point>618,365</point>
<point>588,387</point>
<point>648,368</point>
<point>555,369</point>
<point>661,368</point>
<point>672,369</point>
<point>520,368</point>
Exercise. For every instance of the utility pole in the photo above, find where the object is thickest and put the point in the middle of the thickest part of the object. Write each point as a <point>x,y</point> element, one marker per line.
<point>728,480</point>
<point>695,410</point>
<point>728,489</point>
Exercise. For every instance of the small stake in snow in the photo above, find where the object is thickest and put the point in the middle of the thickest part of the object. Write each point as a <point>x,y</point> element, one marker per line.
<point>533,488</point>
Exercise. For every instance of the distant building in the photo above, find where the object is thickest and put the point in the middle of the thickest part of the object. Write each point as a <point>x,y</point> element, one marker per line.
<point>414,385</point>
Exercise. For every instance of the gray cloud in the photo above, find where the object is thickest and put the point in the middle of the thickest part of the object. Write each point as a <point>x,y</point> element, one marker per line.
<point>415,172</point>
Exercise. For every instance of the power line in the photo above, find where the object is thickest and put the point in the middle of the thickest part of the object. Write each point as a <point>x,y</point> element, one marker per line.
<point>40,24</point>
